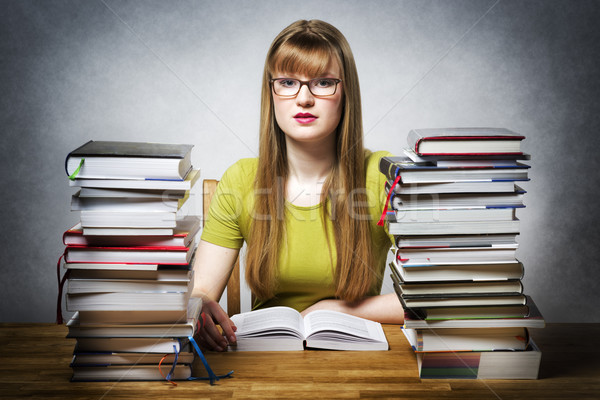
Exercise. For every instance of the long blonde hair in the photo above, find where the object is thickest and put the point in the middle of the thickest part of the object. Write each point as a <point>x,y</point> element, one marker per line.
<point>308,47</point>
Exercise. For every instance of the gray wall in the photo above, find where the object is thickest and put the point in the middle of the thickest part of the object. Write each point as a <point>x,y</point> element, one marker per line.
<point>189,71</point>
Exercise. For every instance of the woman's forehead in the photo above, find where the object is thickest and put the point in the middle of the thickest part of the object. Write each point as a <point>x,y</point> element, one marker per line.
<point>307,69</point>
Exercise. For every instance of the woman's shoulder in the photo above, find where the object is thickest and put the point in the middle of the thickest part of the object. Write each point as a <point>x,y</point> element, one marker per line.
<point>376,155</point>
<point>372,159</point>
<point>242,170</point>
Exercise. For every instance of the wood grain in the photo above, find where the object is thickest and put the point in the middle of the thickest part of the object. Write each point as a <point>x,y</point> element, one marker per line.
<point>35,364</point>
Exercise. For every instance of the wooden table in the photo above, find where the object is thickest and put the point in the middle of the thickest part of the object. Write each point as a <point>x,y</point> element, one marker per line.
<point>35,364</point>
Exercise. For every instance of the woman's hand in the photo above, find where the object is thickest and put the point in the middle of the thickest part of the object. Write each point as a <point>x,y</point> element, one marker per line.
<point>209,336</point>
<point>211,272</point>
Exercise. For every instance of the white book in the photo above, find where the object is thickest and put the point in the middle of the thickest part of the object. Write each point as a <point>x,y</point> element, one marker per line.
<point>80,359</point>
<point>459,288</point>
<point>464,301</point>
<point>131,204</point>
<point>455,255</point>
<point>180,329</point>
<point>157,301</point>
<point>108,231</point>
<point>131,193</point>
<point>458,272</point>
<point>453,215</point>
<point>129,373</point>
<point>109,267</point>
<point>467,339</point>
<point>165,273</point>
<point>456,187</point>
<point>184,232</point>
<point>284,329</point>
<point>463,175</point>
<point>133,317</point>
<point>453,227</point>
<point>130,345</point>
<point>457,200</point>
<point>132,219</point>
<point>502,364</point>
<point>455,240</point>
<point>75,286</point>
<point>185,184</point>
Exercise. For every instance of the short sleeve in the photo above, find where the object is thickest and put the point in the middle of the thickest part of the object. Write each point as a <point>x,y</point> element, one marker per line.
<point>223,225</point>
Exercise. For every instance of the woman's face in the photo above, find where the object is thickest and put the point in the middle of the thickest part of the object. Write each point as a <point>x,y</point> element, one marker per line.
<point>307,118</point>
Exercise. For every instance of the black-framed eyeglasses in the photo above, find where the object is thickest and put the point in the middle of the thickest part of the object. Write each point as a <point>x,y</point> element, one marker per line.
<point>319,87</point>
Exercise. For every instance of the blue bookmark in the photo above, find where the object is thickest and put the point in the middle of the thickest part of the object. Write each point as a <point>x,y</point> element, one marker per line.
<point>211,375</point>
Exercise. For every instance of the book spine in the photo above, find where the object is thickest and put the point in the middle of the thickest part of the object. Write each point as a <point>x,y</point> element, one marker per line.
<point>387,167</point>
<point>69,155</point>
<point>413,140</point>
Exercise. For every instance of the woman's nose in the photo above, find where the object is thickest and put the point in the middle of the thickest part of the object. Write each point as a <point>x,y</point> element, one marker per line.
<point>305,97</point>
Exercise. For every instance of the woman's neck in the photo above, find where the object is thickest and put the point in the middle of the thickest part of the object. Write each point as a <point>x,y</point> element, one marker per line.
<point>309,165</point>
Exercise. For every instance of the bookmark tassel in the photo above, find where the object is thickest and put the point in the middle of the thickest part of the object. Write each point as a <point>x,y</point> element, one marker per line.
<point>211,375</point>
<point>387,201</point>
<point>172,370</point>
<point>61,284</point>
<point>76,172</point>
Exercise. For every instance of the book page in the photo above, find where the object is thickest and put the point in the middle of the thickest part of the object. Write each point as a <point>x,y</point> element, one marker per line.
<point>269,319</point>
<point>325,320</point>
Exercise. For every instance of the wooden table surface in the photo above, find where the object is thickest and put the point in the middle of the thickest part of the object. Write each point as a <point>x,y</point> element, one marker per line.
<point>35,364</point>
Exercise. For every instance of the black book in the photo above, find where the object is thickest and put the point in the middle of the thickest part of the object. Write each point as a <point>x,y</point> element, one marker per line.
<point>412,172</point>
<point>129,160</point>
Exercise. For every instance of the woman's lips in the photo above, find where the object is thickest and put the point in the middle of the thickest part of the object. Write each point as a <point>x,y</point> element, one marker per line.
<point>304,118</point>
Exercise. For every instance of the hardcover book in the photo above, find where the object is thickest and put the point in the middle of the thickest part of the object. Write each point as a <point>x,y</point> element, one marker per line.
<point>475,227</point>
<point>181,329</point>
<point>467,339</point>
<point>129,372</point>
<point>186,184</point>
<point>129,160</point>
<point>80,359</point>
<point>466,200</point>
<point>464,141</point>
<point>127,301</point>
<point>452,241</point>
<point>527,316</point>
<point>480,364</point>
<point>131,255</point>
<point>411,172</point>
<point>184,233</point>
<point>458,272</point>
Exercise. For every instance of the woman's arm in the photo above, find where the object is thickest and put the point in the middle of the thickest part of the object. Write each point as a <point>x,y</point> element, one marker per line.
<point>385,308</point>
<point>212,269</point>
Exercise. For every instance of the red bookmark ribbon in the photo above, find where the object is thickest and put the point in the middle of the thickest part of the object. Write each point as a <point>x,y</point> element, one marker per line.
<point>387,201</point>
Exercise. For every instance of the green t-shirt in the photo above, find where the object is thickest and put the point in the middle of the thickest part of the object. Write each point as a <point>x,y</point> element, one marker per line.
<point>305,265</point>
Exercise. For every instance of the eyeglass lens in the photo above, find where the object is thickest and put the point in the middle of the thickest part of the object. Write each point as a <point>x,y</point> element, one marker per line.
<point>317,86</point>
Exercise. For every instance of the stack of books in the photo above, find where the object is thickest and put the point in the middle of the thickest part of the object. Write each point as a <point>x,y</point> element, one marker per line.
<point>128,261</point>
<point>452,204</point>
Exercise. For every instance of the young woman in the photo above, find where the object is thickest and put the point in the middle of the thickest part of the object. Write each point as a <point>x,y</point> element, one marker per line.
<point>308,206</point>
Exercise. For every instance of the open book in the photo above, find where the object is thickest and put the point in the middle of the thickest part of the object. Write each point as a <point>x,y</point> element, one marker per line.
<point>283,329</point>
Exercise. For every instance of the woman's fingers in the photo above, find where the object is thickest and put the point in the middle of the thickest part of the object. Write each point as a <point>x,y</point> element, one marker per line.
<point>210,335</point>
<point>213,336</point>
<point>221,317</point>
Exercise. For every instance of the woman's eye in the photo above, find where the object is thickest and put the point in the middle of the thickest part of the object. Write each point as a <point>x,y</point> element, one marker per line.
<point>324,83</point>
<point>287,82</point>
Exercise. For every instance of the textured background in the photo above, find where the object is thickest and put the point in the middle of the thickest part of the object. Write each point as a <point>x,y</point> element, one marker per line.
<point>189,72</point>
